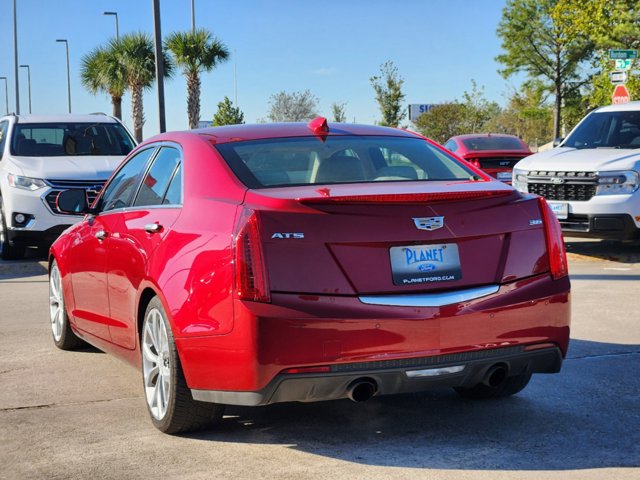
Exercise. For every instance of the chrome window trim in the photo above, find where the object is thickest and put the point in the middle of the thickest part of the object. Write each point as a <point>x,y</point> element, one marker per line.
<point>439,299</point>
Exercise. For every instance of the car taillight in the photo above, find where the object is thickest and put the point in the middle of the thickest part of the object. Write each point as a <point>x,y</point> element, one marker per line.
<point>250,271</point>
<point>475,162</point>
<point>555,244</point>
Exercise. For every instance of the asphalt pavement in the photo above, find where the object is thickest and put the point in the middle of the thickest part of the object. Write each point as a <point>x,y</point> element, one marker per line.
<point>82,414</point>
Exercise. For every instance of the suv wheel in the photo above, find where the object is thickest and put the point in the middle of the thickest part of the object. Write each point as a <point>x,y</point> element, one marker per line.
<point>7,251</point>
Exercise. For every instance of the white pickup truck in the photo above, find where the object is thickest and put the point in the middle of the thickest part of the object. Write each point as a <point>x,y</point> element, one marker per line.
<point>592,179</point>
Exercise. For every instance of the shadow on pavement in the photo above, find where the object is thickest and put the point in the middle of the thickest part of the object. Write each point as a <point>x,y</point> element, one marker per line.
<point>34,264</point>
<point>585,417</point>
<point>623,252</point>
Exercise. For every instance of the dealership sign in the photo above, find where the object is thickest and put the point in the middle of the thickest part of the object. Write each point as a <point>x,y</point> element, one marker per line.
<point>417,109</point>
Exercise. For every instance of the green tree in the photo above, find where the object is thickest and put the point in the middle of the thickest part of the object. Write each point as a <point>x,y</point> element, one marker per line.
<point>227,114</point>
<point>608,24</point>
<point>339,115</point>
<point>293,107</point>
<point>527,115</point>
<point>388,88</point>
<point>136,54</point>
<point>195,52</point>
<point>443,122</point>
<point>102,71</point>
<point>477,109</point>
<point>535,43</point>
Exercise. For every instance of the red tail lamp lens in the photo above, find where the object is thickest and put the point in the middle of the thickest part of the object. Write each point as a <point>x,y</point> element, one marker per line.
<point>250,270</point>
<point>558,265</point>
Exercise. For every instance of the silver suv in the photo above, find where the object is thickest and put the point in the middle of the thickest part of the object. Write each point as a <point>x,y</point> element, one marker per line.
<point>40,156</point>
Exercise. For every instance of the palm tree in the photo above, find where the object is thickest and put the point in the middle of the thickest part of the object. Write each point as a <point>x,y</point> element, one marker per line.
<point>102,71</point>
<point>136,54</point>
<point>195,51</point>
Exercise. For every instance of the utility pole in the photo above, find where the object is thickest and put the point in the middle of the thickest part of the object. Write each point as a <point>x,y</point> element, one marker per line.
<point>15,56</point>
<point>28,83</point>
<point>193,16</point>
<point>66,44</point>
<point>159,64</point>
<point>6,94</point>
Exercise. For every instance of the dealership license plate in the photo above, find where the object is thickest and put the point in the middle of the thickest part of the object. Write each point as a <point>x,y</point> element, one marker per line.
<point>560,209</point>
<point>416,264</point>
<point>504,176</point>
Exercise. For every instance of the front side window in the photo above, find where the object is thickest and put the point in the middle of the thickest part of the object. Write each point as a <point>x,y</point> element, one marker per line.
<point>119,191</point>
<point>340,159</point>
<point>607,130</point>
<point>156,181</point>
<point>75,139</point>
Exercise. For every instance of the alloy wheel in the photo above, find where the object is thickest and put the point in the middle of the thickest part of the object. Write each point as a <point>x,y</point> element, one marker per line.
<point>156,364</point>
<point>56,303</point>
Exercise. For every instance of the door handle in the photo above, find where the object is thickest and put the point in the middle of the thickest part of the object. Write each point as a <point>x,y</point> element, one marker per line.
<point>153,227</point>
<point>101,235</point>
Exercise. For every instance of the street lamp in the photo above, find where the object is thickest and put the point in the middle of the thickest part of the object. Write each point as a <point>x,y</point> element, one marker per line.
<point>28,83</point>
<point>115,14</point>
<point>193,16</point>
<point>6,94</point>
<point>157,44</point>
<point>66,44</point>
<point>15,55</point>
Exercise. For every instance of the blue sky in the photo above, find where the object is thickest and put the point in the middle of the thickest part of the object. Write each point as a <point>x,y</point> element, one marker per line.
<point>331,48</point>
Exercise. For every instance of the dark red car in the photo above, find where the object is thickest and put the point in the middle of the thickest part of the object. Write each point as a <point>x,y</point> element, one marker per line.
<point>494,153</point>
<point>248,265</point>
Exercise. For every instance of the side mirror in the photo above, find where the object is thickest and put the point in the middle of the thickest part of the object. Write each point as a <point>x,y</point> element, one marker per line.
<point>73,201</point>
<point>557,141</point>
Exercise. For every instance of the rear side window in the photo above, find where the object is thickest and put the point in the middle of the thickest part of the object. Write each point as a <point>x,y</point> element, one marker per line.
<point>340,159</point>
<point>451,146</point>
<point>174,193</point>
<point>76,139</point>
<point>120,190</point>
<point>156,181</point>
<point>492,143</point>
<point>4,127</point>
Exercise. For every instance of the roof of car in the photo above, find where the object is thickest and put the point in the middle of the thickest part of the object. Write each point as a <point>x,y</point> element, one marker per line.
<point>623,107</point>
<point>482,135</point>
<point>234,133</point>
<point>67,117</point>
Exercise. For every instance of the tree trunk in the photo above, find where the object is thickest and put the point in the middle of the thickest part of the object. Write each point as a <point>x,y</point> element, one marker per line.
<point>136,111</point>
<point>557,112</point>
<point>116,102</point>
<point>193,99</point>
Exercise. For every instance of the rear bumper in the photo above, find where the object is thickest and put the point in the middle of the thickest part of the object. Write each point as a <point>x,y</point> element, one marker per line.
<point>298,331</point>
<point>391,377</point>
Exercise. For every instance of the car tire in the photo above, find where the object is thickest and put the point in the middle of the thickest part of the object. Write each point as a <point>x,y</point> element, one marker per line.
<point>63,336</point>
<point>7,251</point>
<point>510,386</point>
<point>169,401</point>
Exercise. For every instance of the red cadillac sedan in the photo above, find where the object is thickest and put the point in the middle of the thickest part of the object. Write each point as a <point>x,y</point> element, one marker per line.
<point>254,264</point>
<point>494,153</point>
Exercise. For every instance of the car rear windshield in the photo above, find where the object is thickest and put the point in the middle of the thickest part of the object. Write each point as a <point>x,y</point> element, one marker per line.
<point>339,159</point>
<point>493,143</point>
<point>76,139</point>
<point>606,130</point>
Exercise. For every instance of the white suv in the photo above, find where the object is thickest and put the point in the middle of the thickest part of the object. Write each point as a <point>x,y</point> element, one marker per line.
<point>592,180</point>
<point>40,156</point>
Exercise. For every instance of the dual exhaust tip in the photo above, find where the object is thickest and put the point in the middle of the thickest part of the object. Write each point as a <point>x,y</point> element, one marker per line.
<point>363,389</point>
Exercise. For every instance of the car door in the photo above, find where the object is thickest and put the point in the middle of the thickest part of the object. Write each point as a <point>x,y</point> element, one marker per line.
<point>137,233</point>
<point>88,254</point>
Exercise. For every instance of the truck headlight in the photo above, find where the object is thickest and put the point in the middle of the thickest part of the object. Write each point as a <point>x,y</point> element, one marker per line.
<point>617,183</point>
<point>25,183</point>
<point>519,180</point>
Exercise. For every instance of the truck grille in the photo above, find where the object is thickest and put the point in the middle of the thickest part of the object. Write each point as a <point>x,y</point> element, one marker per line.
<point>91,187</point>
<point>568,186</point>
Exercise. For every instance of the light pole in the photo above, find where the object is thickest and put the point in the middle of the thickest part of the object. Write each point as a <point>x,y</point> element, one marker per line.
<point>66,44</point>
<point>193,16</point>
<point>15,55</point>
<point>6,94</point>
<point>28,83</point>
<point>157,42</point>
<point>115,14</point>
